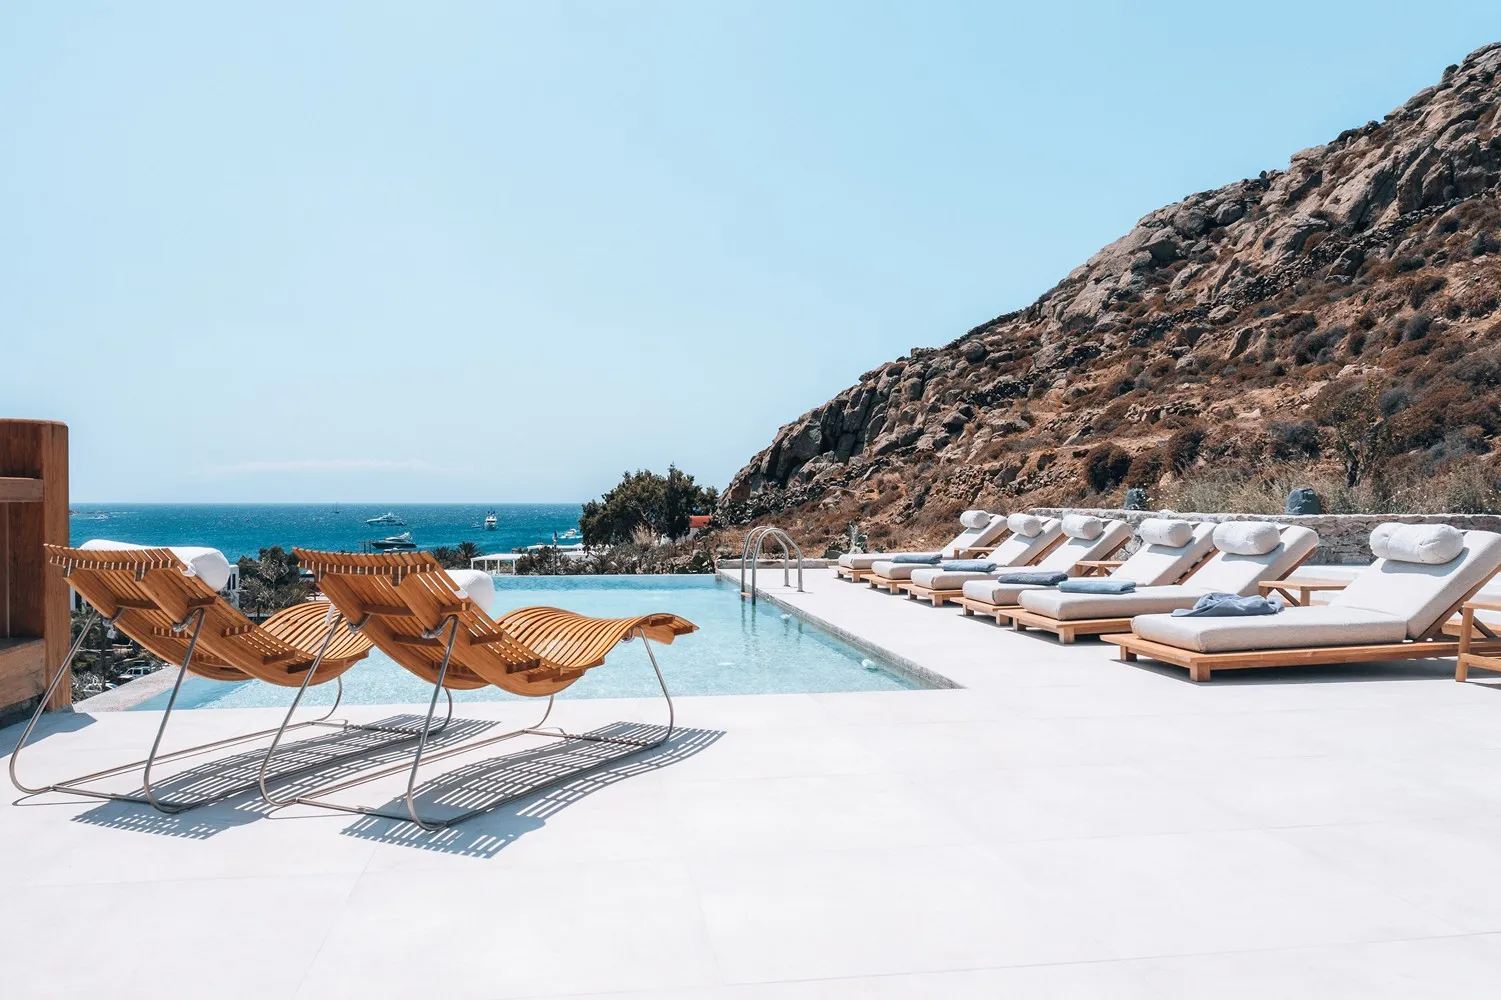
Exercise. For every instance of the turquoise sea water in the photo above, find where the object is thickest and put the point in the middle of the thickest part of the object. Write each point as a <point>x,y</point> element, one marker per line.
<point>244,529</point>
<point>739,649</point>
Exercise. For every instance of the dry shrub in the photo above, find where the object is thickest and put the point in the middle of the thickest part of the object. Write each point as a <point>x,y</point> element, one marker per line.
<point>1467,488</point>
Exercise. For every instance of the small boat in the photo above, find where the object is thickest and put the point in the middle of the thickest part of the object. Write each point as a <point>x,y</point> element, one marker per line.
<point>490,521</point>
<point>389,517</point>
<point>395,543</point>
<point>570,534</point>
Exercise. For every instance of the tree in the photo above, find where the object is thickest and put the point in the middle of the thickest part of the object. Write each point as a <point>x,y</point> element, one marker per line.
<point>271,582</point>
<point>1362,436</point>
<point>456,557</point>
<point>646,501</point>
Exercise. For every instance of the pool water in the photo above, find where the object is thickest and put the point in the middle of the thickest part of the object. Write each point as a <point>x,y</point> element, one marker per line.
<point>739,648</point>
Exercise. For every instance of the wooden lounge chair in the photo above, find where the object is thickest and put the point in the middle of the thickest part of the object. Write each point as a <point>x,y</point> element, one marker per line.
<point>1017,548</point>
<point>418,615</point>
<point>167,600</point>
<point>1156,562</point>
<point>1393,610</point>
<point>1079,538</point>
<point>982,531</point>
<point>1233,569</point>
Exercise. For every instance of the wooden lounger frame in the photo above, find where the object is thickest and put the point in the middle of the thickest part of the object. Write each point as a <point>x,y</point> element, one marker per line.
<point>1067,629</point>
<point>941,597</point>
<point>180,619</point>
<point>404,602</point>
<point>1432,643</point>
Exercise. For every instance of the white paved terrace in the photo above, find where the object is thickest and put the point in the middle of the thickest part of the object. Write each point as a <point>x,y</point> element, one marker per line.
<point>1062,826</point>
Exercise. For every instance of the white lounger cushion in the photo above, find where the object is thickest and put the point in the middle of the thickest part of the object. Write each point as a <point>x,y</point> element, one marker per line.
<point>993,591</point>
<point>1019,549</point>
<point>935,578</point>
<point>976,518</point>
<point>207,564</point>
<point>1236,573</point>
<point>1161,531</point>
<point>1027,525</point>
<point>1158,563</point>
<point>1420,593</point>
<point>475,584</point>
<point>1246,538</point>
<point>1432,544</point>
<point>1292,628</point>
<point>1055,603</point>
<point>1082,526</point>
<point>1223,573</point>
<point>1062,559</point>
<point>971,537</point>
<point>863,560</point>
<point>975,538</point>
<point>896,571</point>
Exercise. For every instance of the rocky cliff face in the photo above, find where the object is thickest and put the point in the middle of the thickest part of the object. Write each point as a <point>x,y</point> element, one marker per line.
<point>1217,325</point>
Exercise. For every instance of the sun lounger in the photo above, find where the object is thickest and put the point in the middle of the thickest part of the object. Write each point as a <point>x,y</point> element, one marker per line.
<point>1156,562</point>
<point>982,530</point>
<point>1027,538</point>
<point>1247,553</point>
<point>167,600</point>
<point>418,615</point>
<point>1078,537</point>
<point>1393,610</point>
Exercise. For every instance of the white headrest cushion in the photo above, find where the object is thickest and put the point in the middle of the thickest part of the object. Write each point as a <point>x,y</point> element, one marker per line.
<point>1025,525</point>
<point>474,584</point>
<point>1083,526</point>
<point>1161,531</point>
<point>209,565</point>
<point>975,519</point>
<point>1247,538</point>
<point>1417,543</point>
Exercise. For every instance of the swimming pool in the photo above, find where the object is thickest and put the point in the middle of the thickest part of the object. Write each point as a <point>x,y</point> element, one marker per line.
<point>739,648</point>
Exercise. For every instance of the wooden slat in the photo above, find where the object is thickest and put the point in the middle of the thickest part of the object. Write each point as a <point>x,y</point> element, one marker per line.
<point>20,489</point>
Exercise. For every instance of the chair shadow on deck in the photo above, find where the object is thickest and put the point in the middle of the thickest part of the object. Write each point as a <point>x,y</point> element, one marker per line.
<point>1346,673</point>
<point>515,775</point>
<point>300,766</point>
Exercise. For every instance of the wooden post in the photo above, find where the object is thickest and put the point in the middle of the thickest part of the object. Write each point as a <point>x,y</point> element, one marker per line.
<point>34,618</point>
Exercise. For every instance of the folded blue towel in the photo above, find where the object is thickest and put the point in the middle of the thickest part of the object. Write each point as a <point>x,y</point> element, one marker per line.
<point>967,566</point>
<point>922,558</point>
<point>1230,606</point>
<point>1039,578</point>
<point>1096,585</point>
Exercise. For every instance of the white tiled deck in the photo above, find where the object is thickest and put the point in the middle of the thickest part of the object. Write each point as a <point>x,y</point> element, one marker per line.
<point>1063,826</point>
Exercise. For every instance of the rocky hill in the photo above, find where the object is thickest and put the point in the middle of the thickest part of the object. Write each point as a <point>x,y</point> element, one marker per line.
<point>1337,319</point>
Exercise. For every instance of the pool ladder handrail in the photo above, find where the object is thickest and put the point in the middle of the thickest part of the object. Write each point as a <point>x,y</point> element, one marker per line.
<point>758,536</point>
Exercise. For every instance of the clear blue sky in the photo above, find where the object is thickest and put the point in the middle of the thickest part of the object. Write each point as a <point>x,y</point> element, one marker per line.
<point>488,252</point>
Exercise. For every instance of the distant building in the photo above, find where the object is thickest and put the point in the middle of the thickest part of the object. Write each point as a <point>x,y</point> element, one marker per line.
<point>697,523</point>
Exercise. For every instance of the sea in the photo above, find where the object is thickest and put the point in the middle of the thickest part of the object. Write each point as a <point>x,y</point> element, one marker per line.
<point>241,529</point>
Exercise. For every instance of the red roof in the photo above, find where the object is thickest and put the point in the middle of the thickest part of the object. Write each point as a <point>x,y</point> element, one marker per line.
<point>699,520</point>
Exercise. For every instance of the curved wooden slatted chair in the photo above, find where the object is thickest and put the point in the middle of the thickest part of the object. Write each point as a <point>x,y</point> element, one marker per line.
<point>150,595</point>
<point>415,612</point>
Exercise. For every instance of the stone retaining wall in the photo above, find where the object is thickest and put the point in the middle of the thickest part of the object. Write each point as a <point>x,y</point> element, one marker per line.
<point>1343,538</point>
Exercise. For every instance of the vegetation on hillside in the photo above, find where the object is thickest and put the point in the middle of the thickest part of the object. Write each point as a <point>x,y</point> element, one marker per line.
<point>644,500</point>
<point>1334,325</point>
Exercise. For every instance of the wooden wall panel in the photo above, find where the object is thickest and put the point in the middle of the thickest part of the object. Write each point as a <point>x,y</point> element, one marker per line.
<point>33,595</point>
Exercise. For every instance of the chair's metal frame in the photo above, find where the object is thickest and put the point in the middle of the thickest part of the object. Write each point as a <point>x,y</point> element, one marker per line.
<point>148,795</point>
<point>317,797</point>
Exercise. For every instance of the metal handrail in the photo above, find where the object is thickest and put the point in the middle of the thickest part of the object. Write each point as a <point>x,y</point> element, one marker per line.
<point>752,553</point>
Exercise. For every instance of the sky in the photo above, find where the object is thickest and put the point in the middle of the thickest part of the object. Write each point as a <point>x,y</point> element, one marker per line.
<point>494,252</point>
